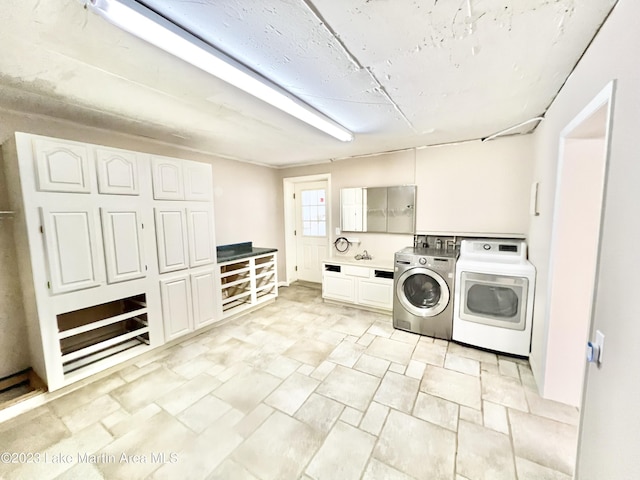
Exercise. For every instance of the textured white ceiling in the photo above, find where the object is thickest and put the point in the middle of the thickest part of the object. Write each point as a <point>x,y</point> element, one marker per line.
<point>398,73</point>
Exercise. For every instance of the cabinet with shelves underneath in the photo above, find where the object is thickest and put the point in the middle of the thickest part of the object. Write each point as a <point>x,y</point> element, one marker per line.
<point>366,286</point>
<point>247,282</point>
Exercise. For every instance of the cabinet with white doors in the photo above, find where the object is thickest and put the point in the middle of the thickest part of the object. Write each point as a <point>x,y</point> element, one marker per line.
<point>248,282</point>
<point>365,285</point>
<point>101,256</point>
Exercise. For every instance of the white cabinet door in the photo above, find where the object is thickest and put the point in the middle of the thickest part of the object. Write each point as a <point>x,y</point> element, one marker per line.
<point>72,248</point>
<point>177,311</point>
<point>167,178</point>
<point>198,182</point>
<point>171,235</point>
<point>339,287</point>
<point>376,293</point>
<point>203,290</point>
<point>122,234</point>
<point>117,172</point>
<point>200,228</point>
<point>62,167</point>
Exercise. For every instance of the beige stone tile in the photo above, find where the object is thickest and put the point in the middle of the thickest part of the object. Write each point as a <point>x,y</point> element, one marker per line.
<point>75,399</point>
<point>230,470</point>
<point>527,378</point>
<point>233,371</point>
<point>133,372</point>
<point>346,354</point>
<point>292,393</point>
<point>489,368</point>
<point>32,432</point>
<point>374,418</point>
<point>484,454</point>
<point>329,336</point>
<point>431,353</point>
<point>81,471</point>
<point>203,413</point>
<point>453,386</point>
<point>532,471</point>
<point>190,392</point>
<point>201,455</point>
<point>392,350</point>
<point>253,420</point>
<point>351,416</point>
<point>309,351</point>
<point>247,390</point>
<point>381,329</point>
<point>305,369</point>
<point>495,417</point>
<point>120,426</point>
<point>437,410</point>
<point>181,354</point>
<point>162,433</point>
<point>397,391</point>
<point>280,448</point>
<point>366,339</point>
<point>69,451</point>
<point>147,389</point>
<point>508,368</point>
<point>197,366</point>
<point>377,470</point>
<point>282,367</point>
<point>352,325</point>
<point>350,387</point>
<point>428,441</point>
<point>506,391</point>
<point>89,413</point>
<point>551,409</point>
<point>398,368</point>
<point>372,365</point>
<point>470,415</point>
<point>324,369</point>
<point>343,454</point>
<point>352,338</point>
<point>462,365</point>
<point>545,442</point>
<point>406,337</point>
<point>320,412</point>
<point>473,353</point>
<point>415,369</point>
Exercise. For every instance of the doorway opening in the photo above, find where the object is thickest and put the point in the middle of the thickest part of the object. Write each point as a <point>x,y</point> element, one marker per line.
<point>307,223</point>
<point>575,240</point>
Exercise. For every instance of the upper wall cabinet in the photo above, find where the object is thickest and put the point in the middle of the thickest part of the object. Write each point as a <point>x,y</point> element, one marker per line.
<point>122,232</point>
<point>167,178</point>
<point>71,248</point>
<point>62,166</point>
<point>117,172</point>
<point>197,181</point>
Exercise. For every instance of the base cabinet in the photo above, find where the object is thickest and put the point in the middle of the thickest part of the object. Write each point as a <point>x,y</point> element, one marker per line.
<point>370,287</point>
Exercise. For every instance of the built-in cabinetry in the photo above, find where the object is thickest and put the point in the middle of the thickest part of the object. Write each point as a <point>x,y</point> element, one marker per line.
<point>366,285</point>
<point>248,282</point>
<point>116,252</point>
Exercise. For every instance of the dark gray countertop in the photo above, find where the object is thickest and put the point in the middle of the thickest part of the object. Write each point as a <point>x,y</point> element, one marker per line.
<point>238,251</point>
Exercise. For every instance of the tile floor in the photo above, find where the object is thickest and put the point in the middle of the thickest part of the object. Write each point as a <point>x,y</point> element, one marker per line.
<point>297,390</point>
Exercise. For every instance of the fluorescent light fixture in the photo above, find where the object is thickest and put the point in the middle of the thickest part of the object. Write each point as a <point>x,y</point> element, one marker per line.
<point>155,29</point>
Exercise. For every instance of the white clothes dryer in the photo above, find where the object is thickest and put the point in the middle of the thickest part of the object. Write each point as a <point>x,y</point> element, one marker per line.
<point>493,299</point>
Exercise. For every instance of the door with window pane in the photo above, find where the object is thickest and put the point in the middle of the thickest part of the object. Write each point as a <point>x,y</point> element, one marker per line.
<point>311,229</point>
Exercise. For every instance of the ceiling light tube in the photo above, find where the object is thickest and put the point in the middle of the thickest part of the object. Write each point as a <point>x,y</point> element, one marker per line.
<point>155,29</point>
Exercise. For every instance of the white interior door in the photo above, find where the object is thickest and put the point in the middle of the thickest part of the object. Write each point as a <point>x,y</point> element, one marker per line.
<point>72,248</point>
<point>312,236</point>
<point>122,233</point>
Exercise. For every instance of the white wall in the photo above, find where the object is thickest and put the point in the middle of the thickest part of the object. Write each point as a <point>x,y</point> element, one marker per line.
<point>609,440</point>
<point>248,207</point>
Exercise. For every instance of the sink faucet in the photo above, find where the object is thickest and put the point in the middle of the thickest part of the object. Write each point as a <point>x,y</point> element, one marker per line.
<point>364,256</point>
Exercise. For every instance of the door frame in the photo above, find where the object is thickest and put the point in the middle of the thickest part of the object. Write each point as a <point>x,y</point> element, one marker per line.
<point>604,99</point>
<point>290,247</point>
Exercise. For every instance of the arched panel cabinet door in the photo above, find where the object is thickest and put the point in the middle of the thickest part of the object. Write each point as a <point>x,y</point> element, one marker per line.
<point>72,248</point>
<point>198,182</point>
<point>167,178</point>
<point>117,172</point>
<point>62,166</point>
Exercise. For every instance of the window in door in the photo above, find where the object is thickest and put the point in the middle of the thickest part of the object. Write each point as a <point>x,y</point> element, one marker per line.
<point>314,216</point>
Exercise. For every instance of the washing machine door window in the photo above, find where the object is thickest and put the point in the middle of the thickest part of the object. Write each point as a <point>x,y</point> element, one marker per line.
<point>422,292</point>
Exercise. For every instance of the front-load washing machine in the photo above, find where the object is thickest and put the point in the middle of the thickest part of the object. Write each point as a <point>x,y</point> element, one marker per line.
<point>423,291</point>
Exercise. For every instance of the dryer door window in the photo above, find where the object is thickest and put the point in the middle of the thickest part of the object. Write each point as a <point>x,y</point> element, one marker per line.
<point>422,292</point>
